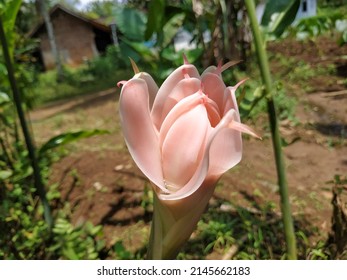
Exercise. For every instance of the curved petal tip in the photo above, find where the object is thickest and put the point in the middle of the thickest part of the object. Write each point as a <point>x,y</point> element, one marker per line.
<point>121,83</point>
<point>185,59</point>
<point>243,128</point>
<point>134,66</point>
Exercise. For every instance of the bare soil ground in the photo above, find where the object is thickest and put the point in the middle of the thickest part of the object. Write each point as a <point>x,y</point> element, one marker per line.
<point>102,184</point>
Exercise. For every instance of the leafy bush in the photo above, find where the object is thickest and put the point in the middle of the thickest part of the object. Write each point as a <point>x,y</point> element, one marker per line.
<point>24,233</point>
<point>98,74</point>
<point>106,66</point>
<point>326,20</point>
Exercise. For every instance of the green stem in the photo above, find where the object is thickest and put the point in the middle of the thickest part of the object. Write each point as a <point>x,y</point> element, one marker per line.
<point>225,25</point>
<point>276,139</point>
<point>31,149</point>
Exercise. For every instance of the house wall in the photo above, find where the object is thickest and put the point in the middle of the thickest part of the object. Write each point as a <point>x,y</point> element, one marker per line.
<point>308,8</point>
<point>74,38</point>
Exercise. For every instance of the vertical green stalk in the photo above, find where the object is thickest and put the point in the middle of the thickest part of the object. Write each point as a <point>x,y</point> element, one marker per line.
<point>31,149</point>
<point>225,25</point>
<point>276,139</point>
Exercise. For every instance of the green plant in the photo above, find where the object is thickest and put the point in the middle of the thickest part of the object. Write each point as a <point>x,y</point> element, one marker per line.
<point>217,234</point>
<point>98,74</point>
<point>82,242</point>
<point>24,234</point>
<point>326,20</point>
<point>273,120</point>
<point>121,253</point>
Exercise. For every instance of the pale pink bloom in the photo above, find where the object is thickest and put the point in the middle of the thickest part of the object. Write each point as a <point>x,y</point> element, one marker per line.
<point>184,132</point>
<point>183,136</point>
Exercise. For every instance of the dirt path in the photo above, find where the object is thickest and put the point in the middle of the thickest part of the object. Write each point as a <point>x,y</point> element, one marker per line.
<point>59,107</point>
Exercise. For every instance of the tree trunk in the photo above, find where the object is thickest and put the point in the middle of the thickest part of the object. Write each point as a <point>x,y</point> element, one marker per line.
<point>51,37</point>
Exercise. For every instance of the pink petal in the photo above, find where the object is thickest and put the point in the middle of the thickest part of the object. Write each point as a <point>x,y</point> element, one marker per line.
<point>220,68</point>
<point>139,132</point>
<point>202,172</point>
<point>181,108</point>
<point>151,84</point>
<point>210,69</point>
<point>214,88</point>
<point>184,146</point>
<point>230,101</point>
<point>212,112</point>
<point>226,148</point>
<point>183,89</point>
<point>225,152</point>
<point>166,88</point>
<point>243,128</point>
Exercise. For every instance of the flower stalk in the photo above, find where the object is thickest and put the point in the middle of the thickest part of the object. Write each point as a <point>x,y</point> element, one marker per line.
<point>175,220</point>
<point>276,139</point>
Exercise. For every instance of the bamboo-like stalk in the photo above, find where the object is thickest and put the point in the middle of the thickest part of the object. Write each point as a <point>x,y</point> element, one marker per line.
<point>276,139</point>
<point>28,141</point>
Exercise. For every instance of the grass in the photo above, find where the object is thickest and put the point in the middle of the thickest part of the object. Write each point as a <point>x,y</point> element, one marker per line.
<point>248,234</point>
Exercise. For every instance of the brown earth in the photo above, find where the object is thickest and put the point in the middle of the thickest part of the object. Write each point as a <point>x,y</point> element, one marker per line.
<point>102,184</point>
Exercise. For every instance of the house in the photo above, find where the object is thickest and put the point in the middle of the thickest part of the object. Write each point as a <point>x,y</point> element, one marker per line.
<point>78,38</point>
<point>308,8</point>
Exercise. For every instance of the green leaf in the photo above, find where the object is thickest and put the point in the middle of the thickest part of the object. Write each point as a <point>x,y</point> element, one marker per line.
<point>132,23</point>
<point>273,7</point>
<point>176,58</point>
<point>3,69</point>
<point>285,18</point>
<point>343,39</point>
<point>144,52</point>
<point>5,174</point>
<point>171,27</point>
<point>9,12</point>
<point>4,98</point>
<point>155,16</point>
<point>70,253</point>
<point>127,51</point>
<point>69,137</point>
<point>120,251</point>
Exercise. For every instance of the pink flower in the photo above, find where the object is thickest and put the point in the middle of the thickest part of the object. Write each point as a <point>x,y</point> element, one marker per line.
<point>183,133</point>
<point>183,136</point>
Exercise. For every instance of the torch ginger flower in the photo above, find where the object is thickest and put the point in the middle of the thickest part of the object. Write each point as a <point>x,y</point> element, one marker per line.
<point>183,136</point>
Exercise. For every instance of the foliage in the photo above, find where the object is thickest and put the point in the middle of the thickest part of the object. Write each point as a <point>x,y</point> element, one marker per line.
<point>248,234</point>
<point>20,49</point>
<point>132,23</point>
<point>8,13</point>
<point>285,104</point>
<point>278,15</point>
<point>24,233</point>
<point>100,9</point>
<point>326,20</point>
<point>98,74</point>
<point>83,242</point>
<point>66,138</point>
